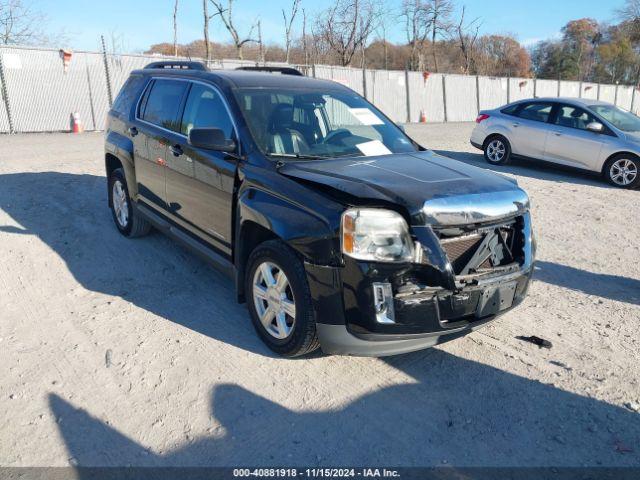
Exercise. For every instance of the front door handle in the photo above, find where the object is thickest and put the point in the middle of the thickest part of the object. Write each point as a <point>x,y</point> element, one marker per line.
<point>516,125</point>
<point>133,131</point>
<point>557,134</point>
<point>176,150</point>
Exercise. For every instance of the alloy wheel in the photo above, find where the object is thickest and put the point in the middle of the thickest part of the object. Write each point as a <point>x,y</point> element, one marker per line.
<point>120,204</point>
<point>623,172</point>
<point>496,150</point>
<point>274,301</point>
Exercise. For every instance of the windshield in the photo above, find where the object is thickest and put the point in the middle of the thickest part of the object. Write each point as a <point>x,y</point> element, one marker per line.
<point>625,121</point>
<point>310,124</point>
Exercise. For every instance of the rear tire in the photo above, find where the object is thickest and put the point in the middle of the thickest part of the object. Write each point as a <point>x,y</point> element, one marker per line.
<point>280,307</point>
<point>128,222</point>
<point>623,171</point>
<point>497,150</point>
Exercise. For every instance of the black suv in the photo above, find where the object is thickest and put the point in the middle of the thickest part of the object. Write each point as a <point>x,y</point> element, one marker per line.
<point>339,230</point>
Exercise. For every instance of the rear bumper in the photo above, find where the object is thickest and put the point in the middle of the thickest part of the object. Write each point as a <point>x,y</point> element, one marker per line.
<point>476,144</point>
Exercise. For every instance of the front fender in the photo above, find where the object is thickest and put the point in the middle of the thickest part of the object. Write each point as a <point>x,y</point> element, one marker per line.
<point>306,231</point>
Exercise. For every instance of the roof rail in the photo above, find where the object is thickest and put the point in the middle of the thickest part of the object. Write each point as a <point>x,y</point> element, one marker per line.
<point>281,70</point>
<point>177,64</point>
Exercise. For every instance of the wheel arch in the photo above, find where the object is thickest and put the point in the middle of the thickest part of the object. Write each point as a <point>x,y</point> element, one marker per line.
<point>493,135</point>
<point>119,154</point>
<point>263,216</point>
<point>614,155</point>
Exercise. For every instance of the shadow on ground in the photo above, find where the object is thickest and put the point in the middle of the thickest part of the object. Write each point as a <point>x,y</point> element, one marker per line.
<point>613,287</point>
<point>458,412</point>
<point>69,213</point>
<point>537,169</point>
<point>455,411</point>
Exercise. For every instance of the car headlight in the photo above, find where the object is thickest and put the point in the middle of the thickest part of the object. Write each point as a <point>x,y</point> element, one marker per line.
<point>377,235</point>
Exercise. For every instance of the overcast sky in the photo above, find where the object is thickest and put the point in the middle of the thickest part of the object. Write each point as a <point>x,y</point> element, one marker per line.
<point>141,23</point>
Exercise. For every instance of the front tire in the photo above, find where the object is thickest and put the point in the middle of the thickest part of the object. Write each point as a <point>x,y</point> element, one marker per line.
<point>623,171</point>
<point>497,150</point>
<point>127,221</point>
<point>279,300</point>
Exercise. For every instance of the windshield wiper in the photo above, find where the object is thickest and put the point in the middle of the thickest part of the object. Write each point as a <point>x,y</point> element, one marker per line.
<point>295,155</point>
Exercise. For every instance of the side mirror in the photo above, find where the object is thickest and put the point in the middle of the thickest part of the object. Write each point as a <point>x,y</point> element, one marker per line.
<point>211,139</point>
<point>595,127</point>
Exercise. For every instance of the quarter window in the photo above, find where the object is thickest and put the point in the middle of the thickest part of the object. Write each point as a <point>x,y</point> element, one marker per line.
<point>127,95</point>
<point>538,112</point>
<point>511,109</point>
<point>163,103</point>
<point>205,109</point>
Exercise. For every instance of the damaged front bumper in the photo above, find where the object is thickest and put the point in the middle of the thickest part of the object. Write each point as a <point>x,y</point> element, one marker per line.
<point>430,303</point>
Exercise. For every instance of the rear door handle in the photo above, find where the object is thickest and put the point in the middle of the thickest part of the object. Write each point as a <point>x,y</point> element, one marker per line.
<point>176,150</point>
<point>133,131</point>
<point>557,134</point>
<point>516,125</point>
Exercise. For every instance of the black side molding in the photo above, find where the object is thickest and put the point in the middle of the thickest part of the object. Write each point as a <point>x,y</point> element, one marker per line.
<point>208,254</point>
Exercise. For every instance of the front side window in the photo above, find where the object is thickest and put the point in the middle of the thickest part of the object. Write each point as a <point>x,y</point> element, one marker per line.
<point>625,121</point>
<point>538,112</point>
<point>318,124</point>
<point>205,109</point>
<point>573,117</point>
<point>163,104</point>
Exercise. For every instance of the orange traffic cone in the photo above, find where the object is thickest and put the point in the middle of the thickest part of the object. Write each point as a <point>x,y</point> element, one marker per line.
<point>76,123</point>
<point>423,117</point>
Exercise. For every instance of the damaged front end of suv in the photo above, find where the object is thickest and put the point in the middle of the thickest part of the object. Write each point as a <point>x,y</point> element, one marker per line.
<point>416,272</point>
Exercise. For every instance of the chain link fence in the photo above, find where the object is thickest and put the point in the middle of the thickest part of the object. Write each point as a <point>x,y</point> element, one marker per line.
<point>38,93</point>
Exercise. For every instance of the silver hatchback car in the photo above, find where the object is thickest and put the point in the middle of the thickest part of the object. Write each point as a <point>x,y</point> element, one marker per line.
<point>582,133</point>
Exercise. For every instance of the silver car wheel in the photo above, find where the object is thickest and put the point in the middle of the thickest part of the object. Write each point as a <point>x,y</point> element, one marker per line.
<point>273,299</point>
<point>623,172</point>
<point>120,204</point>
<point>496,150</point>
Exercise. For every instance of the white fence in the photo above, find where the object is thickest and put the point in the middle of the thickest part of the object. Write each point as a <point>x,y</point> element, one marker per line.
<point>38,94</point>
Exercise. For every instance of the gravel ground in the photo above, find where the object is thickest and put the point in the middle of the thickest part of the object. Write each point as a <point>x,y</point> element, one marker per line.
<point>133,352</point>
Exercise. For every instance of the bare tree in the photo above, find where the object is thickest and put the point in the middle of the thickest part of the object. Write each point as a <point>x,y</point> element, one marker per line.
<point>382,33</point>
<point>439,18</point>
<point>261,52</point>
<point>305,49</point>
<point>417,28</point>
<point>346,26</point>
<point>630,11</point>
<point>226,16</point>
<point>19,24</point>
<point>175,28</point>
<point>467,36</point>
<point>288,25</point>
<point>207,45</point>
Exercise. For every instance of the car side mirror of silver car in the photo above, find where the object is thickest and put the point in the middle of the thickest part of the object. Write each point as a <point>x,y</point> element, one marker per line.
<point>596,127</point>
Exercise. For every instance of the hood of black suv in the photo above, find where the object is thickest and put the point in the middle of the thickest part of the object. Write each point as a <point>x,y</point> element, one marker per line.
<point>408,179</point>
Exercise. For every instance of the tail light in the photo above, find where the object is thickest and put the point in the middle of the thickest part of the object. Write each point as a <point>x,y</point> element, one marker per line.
<point>481,117</point>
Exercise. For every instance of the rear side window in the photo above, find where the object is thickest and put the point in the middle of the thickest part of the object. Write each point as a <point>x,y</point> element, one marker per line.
<point>205,109</point>
<point>128,95</point>
<point>163,104</point>
<point>538,112</point>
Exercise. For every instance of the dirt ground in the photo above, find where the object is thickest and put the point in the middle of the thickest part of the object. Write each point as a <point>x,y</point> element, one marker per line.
<point>133,352</point>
